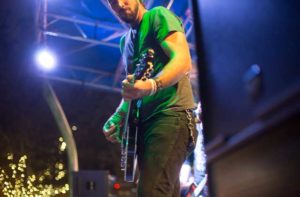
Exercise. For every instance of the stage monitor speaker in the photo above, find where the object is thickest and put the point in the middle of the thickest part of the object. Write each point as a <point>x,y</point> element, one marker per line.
<point>249,62</point>
<point>249,75</point>
<point>266,166</point>
<point>90,183</point>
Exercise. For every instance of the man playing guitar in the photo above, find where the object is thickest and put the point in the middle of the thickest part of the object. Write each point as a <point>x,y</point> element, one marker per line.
<point>166,127</point>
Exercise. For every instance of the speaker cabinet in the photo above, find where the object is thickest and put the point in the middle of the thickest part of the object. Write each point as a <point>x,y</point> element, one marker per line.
<point>90,184</point>
<point>265,166</point>
<point>249,75</point>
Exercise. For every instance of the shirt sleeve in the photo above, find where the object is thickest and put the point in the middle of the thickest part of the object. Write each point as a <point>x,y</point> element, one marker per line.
<point>165,22</point>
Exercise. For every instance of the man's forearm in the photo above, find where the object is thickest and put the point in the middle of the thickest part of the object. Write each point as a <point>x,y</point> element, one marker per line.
<point>173,72</point>
<point>122,109</point>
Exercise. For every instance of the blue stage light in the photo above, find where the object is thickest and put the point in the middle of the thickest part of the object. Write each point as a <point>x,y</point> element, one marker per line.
<point>46,60</point>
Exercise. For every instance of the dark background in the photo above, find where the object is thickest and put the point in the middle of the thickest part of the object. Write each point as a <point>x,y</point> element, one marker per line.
<point>26,123</point>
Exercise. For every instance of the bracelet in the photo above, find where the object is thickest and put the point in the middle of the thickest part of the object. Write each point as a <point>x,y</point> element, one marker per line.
<point>153,87</point>
<point>158,84</point>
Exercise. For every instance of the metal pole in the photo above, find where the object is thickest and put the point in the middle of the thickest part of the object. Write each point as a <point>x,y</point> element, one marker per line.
<point>56,107</point>
<point>65,130</point>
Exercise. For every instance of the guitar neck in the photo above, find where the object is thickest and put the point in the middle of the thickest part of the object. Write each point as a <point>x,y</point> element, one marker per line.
<point>127,115</point>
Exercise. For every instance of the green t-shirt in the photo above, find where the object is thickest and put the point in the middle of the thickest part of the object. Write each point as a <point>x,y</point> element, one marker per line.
<point>155,26</point>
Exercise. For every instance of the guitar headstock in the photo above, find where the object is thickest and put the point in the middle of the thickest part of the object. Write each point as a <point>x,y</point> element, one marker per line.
<point>144,68</point>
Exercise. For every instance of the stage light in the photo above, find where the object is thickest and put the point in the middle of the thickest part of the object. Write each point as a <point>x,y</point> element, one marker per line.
<point>117,186</point>
<point>45,60</point>
<point>185,173</point>
<point>74,128</point>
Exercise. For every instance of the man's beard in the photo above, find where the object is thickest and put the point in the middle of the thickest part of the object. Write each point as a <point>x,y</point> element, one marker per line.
<point>131,17</point>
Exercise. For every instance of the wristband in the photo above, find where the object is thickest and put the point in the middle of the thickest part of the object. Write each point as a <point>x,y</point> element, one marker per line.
<point>153,87</point>
<point>158,84</point>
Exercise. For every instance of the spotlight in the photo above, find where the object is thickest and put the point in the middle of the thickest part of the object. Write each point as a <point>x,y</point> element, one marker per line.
<point>185,173</point>
<point>45,60</point>
<point>117,186</point>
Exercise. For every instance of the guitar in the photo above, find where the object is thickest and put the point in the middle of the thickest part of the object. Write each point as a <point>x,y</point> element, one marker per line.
<point>143,71</point>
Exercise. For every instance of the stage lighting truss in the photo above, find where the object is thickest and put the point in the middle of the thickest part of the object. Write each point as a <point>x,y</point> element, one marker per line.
<point>88,74</point>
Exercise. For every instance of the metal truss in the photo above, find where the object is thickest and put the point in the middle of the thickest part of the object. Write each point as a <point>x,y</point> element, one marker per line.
<point>84,74</point>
